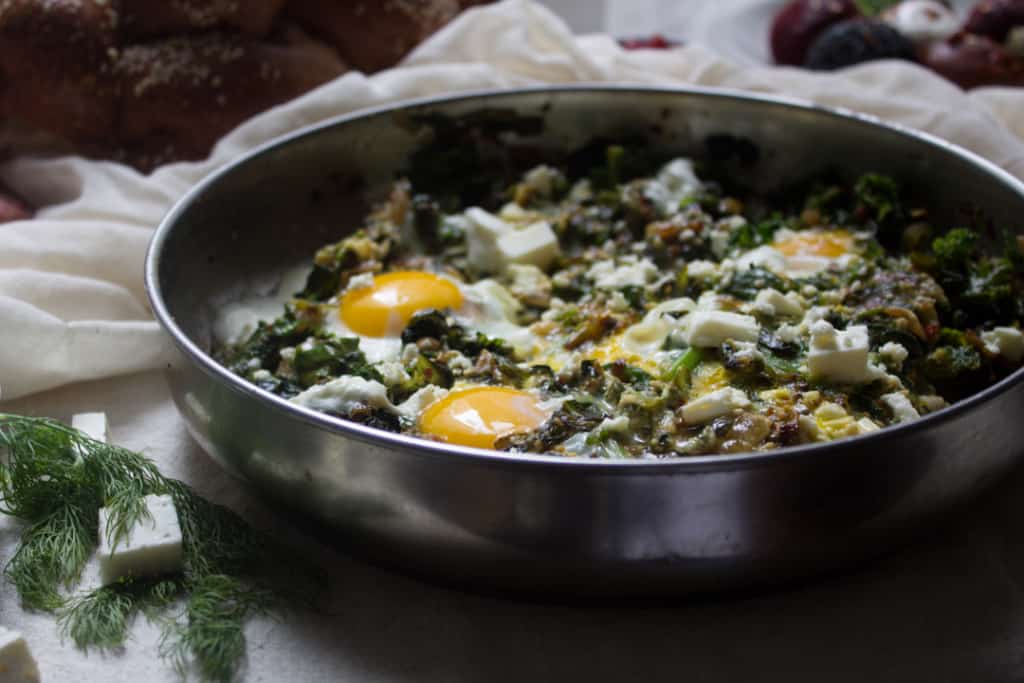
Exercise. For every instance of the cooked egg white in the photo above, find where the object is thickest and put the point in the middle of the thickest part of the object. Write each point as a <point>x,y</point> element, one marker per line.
<point>799,254</point>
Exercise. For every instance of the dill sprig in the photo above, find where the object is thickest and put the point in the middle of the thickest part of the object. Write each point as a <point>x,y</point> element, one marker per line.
<point>56,480</point>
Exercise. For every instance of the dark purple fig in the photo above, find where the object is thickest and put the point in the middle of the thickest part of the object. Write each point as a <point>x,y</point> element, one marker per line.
<point>801,21</point>
<point>857,40</point>
<point>995,18</point>
<point>971,61</point>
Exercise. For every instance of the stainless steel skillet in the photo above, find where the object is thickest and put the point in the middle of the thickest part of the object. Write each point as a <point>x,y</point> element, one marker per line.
<point>546,523</point>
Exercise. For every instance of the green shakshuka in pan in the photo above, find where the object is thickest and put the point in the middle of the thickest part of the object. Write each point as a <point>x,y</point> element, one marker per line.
<point>639,311</point>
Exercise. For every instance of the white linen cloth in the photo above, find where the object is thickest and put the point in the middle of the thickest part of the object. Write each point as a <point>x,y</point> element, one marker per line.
<point>72,308</point>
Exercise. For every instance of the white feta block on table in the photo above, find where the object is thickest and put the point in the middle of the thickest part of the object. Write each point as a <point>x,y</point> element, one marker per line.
<point>902,409</point>
<point>93,425</point>
<point>17,665</point>
<point>535,245</point>
<point>839,355</point>
<point>711,328</point>
<point>152,546</point>
<point>715,404</point>
<point>1005,341</point>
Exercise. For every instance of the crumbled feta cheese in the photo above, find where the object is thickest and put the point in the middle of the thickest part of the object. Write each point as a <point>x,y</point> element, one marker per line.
<point>714,404</point>
<point>839,356</point>
<point>711,328</point>
<point>902,409</point>
<point>932,402</point>
<point>1005,341</point>
<point>529,283</point>
<point>631,272</point>
<point>618,302</point>
<point>360,281</point>
<point>866,425</point>
<point>392,372</point>
<point>458,362</point>
<point>788,333</point>
<point>410,352</point>
<point>893,354</point>
<point>151,546</point>
<point>711,301</point>
<point>512,212</point>
<point>343,394</point>
<point>719,238</point>
<point>701,270</point>
<point>746,351</point>
<point>543,179</point>
<point>779,303</point>
<point>93,425</point>
<point>536,244</point>
<point>16,662</point>
<point>674,182</point>
<point>412,407</point>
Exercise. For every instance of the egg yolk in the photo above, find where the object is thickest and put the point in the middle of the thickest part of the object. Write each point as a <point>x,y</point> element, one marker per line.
<point>829,244</point>
<point>384,308</point>
<point>478,416</point>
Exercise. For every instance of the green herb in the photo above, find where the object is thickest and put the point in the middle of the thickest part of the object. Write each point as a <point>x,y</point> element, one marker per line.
<point>690,359</point>
<point>955,248</point>
<point>872,8</point>
<point>879,195</point>
<point>56,479</point>
<point>325,356</point>
<point>750,235</point>
<point>745,284</point>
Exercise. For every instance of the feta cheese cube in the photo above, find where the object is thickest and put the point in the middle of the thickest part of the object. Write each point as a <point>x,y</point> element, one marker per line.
<point>839,356</point>
<point>715,404</point>
<point>93,425</point>
<point>711,328</point>
<point>779,303</point>
<point>902,409</point>
<point>16,662</point>
<point>675,182</point>
<point>152,546</point>
<point>1005,341</point>
<point>483,230</point>
<point>536,245</point>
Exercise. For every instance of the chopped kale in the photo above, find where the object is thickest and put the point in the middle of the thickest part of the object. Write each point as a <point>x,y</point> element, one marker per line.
<point>745,284</point>
<point>325,357</point>
<point>751,235</point>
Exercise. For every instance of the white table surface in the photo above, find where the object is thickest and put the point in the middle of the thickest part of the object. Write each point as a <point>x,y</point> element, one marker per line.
<point>947,608</point>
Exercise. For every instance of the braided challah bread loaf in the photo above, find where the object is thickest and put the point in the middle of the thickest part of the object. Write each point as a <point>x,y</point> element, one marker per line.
<point>151,82</point>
